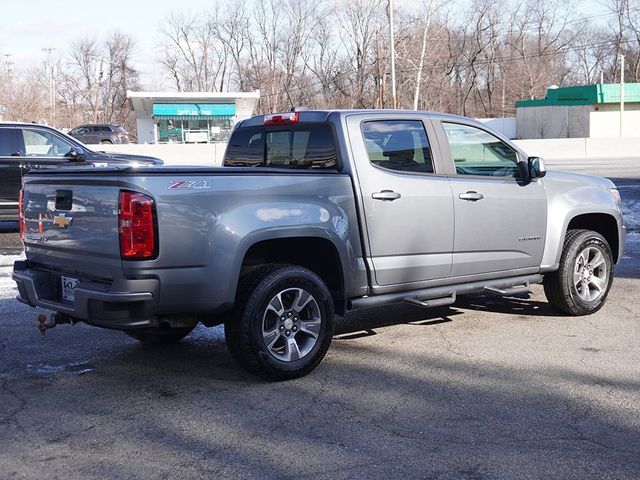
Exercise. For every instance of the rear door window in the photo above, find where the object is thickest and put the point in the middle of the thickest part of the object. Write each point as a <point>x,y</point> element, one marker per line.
<point>302,146</point>
<point>400,145</point>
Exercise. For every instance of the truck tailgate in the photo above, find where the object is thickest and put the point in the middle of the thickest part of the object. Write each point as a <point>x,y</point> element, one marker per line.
<point>75,218</point>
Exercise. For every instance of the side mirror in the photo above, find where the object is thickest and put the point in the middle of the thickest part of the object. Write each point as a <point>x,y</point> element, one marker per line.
<point>537,168</point>
<point>76,154</point>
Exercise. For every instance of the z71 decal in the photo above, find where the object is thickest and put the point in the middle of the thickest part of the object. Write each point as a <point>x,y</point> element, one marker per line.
<point>190,185</point>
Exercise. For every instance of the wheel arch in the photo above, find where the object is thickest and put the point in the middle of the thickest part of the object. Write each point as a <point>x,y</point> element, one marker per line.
<point>319,254</point>
<point>603,223</point>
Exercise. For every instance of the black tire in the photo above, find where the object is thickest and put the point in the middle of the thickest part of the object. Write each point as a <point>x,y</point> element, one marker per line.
<point>245,330</point>
<point>106,142</point>
<point>159,335</point>
<point>569,288</point>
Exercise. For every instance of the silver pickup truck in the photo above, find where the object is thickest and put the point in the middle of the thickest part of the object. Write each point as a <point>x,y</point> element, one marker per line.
<point>315,213</point>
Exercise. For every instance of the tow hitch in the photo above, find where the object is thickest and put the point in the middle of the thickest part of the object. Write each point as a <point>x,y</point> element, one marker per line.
<point>54,319</point>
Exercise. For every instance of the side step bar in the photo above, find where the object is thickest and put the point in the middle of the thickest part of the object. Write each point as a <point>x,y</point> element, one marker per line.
<point>436,302</point>
<point>441,296</point>
<point>515,290</point>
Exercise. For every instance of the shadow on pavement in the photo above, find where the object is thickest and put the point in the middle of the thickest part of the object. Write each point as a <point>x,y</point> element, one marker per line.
<point>372,411</point>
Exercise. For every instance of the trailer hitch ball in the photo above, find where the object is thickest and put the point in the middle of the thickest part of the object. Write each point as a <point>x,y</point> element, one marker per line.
<point>42,323</point>
<point>54,319</point>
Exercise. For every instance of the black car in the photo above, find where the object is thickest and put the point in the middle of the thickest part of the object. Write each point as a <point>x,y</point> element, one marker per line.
<point>100,133</point>
<point>26,145</point>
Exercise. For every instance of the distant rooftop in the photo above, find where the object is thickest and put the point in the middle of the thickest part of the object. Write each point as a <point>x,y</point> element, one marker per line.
<point>585,95</point>
<point>202,96</point>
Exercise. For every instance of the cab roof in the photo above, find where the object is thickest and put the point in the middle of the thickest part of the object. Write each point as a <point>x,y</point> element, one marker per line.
<point>305,115</point>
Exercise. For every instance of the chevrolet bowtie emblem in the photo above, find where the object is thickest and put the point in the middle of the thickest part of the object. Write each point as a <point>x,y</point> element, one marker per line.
<point>62,221</point>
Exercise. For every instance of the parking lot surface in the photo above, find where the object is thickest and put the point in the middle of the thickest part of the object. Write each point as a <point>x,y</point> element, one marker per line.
<point>491,388</point>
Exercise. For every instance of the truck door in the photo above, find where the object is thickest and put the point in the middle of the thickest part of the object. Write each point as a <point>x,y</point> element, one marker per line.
<point>500,220</point>
<point>407,205</point>
<point>10,174</point>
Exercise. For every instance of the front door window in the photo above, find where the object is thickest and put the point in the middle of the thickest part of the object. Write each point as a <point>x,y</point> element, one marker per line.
<point>476,152</point>
<point>39,143</point>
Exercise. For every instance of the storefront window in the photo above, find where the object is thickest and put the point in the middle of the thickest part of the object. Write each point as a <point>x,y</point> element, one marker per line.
<point>193,123</point>
<point>193,131</point>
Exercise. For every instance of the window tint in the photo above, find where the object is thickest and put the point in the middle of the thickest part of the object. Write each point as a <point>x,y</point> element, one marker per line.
<point>476,152</point>
<point>398,145</point>
<point>40,143</point>
<point>5,142</point>
<point>105,129</point>
<point>245,148</point>
<point>303,146</point>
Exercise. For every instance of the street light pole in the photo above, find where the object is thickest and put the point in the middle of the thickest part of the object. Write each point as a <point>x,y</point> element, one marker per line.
<point>393,56</point>
<point>621,93</point>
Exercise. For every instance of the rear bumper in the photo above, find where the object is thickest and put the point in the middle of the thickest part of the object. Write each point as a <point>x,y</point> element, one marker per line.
<point>120,304</point>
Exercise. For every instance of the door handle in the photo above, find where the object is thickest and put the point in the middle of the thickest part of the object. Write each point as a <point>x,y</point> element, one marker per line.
<point>471,196</point>
<point>386,195</point>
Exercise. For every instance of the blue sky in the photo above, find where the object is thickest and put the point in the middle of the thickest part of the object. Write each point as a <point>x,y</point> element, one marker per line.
<point>28,26</point>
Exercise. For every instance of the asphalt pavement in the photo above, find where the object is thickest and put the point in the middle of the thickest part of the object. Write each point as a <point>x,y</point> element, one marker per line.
<point>491,388</point>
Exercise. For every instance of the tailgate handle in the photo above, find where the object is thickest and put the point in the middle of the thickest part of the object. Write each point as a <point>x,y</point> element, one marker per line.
<point>64,199</point>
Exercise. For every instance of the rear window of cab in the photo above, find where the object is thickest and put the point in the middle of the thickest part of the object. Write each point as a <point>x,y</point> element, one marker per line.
<point>303,146</point>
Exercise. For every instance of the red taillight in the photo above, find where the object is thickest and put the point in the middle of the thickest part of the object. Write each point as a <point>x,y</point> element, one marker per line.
<point>21,221</point>
<point>120,134</point>
<point>136,219</point>
<point>281,118</point>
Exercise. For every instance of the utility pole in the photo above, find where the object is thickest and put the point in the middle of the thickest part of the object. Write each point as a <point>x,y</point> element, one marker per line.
<point>95,108</point>
<point>621,92</point>
<point>8,65</point>
<point>393,56</point>
<point>52,86</point>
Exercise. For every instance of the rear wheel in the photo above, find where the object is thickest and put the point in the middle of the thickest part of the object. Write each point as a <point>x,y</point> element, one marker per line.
<point>581,284</point>
<point>159,335</point>
<point>283,322</point>
<point>106,142</point>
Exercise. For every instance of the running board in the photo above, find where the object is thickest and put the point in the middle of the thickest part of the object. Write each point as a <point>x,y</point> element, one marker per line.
<point>446,295</point>
<point>515,290</point>
<point>434,302</point>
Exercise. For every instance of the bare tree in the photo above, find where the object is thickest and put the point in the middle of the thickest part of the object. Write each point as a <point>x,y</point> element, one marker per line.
<point>93,80</point>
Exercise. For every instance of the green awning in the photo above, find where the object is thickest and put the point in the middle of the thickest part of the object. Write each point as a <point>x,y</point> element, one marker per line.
<point>194,117</point>
<point>194,109</point>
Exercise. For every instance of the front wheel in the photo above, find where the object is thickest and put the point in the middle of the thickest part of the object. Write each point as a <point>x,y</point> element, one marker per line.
<point>581,284</point>
<point>283,322</point>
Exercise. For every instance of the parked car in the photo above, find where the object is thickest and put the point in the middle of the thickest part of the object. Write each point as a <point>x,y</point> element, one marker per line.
<point>26,145</point>
<point>105,133</point>
<point>315,213</point>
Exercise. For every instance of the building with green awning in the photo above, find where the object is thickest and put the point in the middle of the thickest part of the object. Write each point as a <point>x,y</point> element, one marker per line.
<point>189,117</point>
